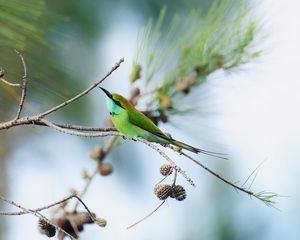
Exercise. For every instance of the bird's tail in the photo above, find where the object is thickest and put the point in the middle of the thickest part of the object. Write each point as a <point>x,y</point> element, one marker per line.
<point>197,150</point>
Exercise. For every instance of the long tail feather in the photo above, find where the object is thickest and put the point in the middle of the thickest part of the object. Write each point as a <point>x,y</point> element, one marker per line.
<point>198,150</point>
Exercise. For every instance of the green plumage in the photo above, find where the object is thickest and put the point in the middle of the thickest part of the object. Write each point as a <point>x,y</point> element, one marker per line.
<point>133,124</point>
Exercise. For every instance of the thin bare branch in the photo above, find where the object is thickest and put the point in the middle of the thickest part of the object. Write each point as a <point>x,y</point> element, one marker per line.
<point>35,121</point>
<point>95,84</point>
<point>78,133</point>
<point>86,208</point>
<point>107,148</point>
<point>85,128</point>
<point>36,214</point>
<point>23,86</point>
<point>147,216</point>
<point>36,118</point>
<point>38,209</point>
<point>218,176</point>
<point>9,83</point>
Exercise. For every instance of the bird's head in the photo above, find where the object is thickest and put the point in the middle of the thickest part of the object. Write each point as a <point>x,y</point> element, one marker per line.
<point>116,103</point>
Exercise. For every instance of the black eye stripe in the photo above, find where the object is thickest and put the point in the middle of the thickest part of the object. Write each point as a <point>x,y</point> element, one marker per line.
<point>118,103</point>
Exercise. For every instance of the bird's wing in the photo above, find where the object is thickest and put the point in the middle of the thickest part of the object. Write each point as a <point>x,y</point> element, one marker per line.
<point>139,119</point>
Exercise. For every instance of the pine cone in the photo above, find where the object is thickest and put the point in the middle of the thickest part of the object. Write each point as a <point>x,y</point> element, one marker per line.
<point>166,169</point>
<point>105,169</point>
<point>178,193</point>
<point>46,229</point>
<point>163,191</point>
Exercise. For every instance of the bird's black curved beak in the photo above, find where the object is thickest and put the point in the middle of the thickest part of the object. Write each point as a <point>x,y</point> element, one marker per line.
<point>106,92</point>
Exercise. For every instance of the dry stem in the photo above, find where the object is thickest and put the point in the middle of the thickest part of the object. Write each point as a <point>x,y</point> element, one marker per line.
<point>33,212</point>
<point>36,119</point>
<point>23,87</point>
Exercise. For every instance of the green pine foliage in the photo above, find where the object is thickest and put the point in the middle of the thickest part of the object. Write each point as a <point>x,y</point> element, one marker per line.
<point>18,20</point>
<point>193,47</point>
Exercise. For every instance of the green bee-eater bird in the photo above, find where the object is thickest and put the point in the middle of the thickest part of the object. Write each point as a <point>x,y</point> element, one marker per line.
<point>133,124</point>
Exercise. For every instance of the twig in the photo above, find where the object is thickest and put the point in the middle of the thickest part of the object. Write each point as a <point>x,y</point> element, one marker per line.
<point>78,133</point>
<point>9,83</point>
<point>107,148</point>
<point>23,87</point>
<point>149,215</point>
<point>38,209</point>
<point>36,214</point>
<point>218,176</point>
<point>86,208</point>
<point>165,156</point>
<point>95,84</point>
<point>73,127</point>
<point>85,128</point>
<point>175,178</point>
<point>35,119</point>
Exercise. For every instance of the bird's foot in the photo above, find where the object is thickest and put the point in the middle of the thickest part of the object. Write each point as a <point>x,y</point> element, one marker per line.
<point>177,149</point>
<point>133,139</point>
<point>164,144</point>
<point>124,137</point>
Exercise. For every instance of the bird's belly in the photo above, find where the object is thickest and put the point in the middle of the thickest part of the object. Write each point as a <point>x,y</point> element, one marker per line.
<point>128,129</point>
<point>132,131</point>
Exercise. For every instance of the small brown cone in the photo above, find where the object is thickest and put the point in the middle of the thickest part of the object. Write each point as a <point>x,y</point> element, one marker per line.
<point>178,193</point>
<point>163,191</point>
<point>166,102</point>
<point>105,169</point>
<point>46,229</point>
<point>85,174</point>
<point>186,83</point>
<point>101,222</point>
<point>166,169</point>
<point>97,154</point>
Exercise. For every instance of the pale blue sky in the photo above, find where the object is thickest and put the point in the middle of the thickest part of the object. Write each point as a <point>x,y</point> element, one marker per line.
<point>257,119</point>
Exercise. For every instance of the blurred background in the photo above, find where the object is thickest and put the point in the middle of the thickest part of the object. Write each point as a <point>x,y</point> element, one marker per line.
<point>252,114</point>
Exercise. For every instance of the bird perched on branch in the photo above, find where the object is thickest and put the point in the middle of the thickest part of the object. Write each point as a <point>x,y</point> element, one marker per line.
<point>133,124</point>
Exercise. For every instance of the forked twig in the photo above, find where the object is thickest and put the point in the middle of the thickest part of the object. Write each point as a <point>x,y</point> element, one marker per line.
<point>37,209</point>
<point>9,83</point>
<point>36,214</point>
<point>35,119</point>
